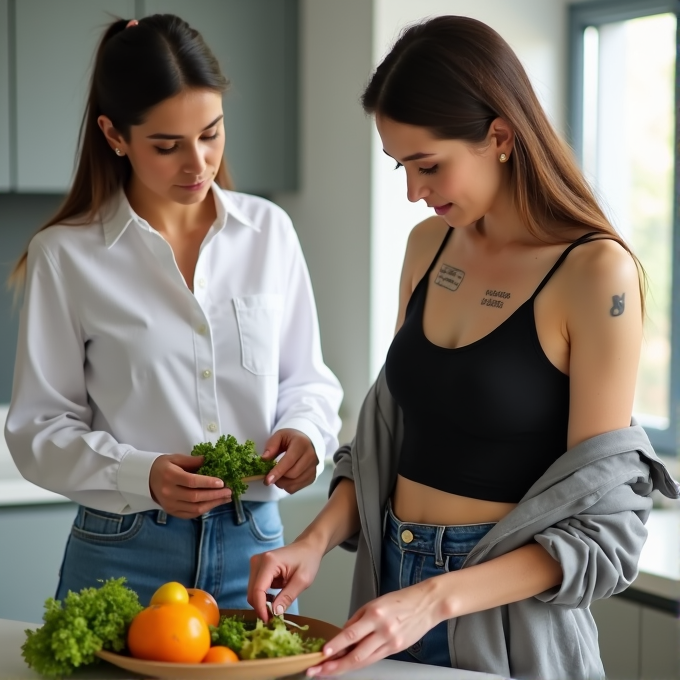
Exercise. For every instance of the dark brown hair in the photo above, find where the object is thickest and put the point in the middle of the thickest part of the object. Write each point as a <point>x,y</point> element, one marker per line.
<point>454,75</point>
<point>135,69</point>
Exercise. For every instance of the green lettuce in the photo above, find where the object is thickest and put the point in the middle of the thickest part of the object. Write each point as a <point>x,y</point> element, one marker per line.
<point>85,623</point>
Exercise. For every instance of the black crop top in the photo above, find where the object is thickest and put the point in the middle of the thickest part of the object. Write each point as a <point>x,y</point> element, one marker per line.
<point>484,420</point>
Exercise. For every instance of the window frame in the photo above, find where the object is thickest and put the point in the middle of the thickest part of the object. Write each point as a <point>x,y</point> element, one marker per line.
<point>596,13</point>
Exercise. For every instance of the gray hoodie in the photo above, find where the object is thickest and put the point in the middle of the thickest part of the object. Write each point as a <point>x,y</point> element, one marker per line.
<point>588,511</point>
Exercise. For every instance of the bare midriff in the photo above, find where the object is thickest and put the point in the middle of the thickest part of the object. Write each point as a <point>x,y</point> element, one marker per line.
<point>413,502</point>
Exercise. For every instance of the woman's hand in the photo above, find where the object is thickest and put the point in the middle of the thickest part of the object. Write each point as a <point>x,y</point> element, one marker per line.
<point>384,626</point>
<point>297,467</point>
<point>291,568</point>
<point>180,492</point>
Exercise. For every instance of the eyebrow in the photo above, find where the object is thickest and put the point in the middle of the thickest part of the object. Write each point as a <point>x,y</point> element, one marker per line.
<point>160,135</point>
<point>412,157</point>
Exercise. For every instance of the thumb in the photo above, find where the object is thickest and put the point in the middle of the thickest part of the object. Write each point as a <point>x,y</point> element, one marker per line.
<point>273,446</point>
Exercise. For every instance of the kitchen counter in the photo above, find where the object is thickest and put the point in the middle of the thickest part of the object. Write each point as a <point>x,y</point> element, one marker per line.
<point>13,667</point>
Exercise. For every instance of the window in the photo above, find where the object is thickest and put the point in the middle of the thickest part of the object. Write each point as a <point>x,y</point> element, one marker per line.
<point>623,94</point>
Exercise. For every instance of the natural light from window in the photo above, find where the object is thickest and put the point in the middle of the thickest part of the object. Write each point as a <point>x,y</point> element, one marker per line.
<point>628,133</point>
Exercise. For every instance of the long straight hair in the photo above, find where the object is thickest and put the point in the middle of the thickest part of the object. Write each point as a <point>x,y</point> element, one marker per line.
<point>135,69</point>
<point>454,75</point>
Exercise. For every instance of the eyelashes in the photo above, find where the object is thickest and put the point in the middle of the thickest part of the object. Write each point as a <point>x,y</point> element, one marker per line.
<point>172,149</point>
<point>422,171</point>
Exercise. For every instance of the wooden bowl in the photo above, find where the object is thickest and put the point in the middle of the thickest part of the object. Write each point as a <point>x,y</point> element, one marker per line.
<point>255,669</point>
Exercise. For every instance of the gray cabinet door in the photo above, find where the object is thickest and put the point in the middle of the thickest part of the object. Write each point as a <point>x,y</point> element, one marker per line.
<point>660,646</point>
<point>55,44</point>
<point>4,97</point>
<point>255,42</point>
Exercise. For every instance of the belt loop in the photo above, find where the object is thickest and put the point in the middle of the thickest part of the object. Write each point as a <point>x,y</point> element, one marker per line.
<point>385,515</point>
<point>162,517</point>
<point>240,512</point>
<point>438,557</point>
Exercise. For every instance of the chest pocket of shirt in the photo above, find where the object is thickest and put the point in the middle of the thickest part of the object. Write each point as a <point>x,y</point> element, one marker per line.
<point>259,328</point>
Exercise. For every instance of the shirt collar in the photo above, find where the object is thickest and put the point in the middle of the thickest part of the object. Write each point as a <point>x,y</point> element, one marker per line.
<point>120,214</point>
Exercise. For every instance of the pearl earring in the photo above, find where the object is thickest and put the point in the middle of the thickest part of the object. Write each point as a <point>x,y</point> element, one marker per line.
<point>118,152</point>
<point>502,158</point>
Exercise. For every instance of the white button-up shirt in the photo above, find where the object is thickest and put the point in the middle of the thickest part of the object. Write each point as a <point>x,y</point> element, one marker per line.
<point>119,362</point>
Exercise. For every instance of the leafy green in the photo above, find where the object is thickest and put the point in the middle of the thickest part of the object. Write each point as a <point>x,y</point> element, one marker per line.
<point>230,632</point>
<point>231,462</point>
<point>86,622</point>
<point>264,640</point>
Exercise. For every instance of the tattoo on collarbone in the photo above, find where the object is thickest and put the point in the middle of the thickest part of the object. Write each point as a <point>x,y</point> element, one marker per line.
<point>618,305</point>
<point>449,277</point>
<point>494,298</point>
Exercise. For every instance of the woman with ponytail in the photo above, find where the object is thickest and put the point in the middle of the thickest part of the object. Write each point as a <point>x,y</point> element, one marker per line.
<point>162,309</point>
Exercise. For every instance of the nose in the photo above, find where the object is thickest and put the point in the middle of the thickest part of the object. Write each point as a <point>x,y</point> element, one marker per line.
<point>194,163</point>
<point>416,188</point>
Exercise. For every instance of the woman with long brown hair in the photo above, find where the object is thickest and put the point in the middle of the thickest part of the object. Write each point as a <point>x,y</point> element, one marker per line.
<point>162,309</point>
<point>495,484</point>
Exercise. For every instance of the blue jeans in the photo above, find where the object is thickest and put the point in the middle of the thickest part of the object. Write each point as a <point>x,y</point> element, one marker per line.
<point>432,551</point>
<point>211,552</point>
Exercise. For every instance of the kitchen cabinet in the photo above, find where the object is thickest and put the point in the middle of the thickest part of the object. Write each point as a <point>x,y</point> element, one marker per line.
<point>659,645</point>
<point>256,45</point>
<point>46,53</point>
<point>637,641</point>
<point>54,44</point>
<point>4,97</point>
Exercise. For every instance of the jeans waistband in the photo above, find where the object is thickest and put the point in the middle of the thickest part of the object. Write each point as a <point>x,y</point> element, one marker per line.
<point>433,539</point>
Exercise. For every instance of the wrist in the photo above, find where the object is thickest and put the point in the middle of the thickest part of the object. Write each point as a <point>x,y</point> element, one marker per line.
<point>441,596</point>
<point>314,539</point>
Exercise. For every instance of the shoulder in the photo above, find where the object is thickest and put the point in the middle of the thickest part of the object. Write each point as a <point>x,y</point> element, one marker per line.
<point>423,242</point>
<point>261,212</point>
<point>600,265</point>
<point>56,241</point>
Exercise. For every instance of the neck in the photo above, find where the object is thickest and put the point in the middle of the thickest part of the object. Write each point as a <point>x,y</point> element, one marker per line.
<point>169,217</point>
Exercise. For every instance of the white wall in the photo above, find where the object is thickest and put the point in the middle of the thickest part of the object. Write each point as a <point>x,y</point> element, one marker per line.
<point>331,212</point>
<point>351,213</point>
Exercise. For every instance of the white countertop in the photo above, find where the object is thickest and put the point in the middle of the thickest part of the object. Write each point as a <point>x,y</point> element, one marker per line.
<point>13,667</point>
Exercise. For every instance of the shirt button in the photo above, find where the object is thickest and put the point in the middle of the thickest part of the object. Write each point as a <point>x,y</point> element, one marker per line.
<point>212,427</point>
<point>406,536</point>
<point>201,283</point>
<point>206,373</point>
<point>202,329</point>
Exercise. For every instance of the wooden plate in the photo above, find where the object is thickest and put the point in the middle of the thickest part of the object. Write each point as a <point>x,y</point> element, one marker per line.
<point>254,478</point>
<point>255,669</point>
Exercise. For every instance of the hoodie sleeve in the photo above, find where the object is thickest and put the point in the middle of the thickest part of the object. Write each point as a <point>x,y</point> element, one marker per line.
<point>597,549</point>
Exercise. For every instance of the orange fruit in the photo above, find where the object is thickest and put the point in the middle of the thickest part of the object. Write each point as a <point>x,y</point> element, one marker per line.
<point>220,654</point>
<point>204,601</point>
<point>169,632</point>
<point>170,593</point>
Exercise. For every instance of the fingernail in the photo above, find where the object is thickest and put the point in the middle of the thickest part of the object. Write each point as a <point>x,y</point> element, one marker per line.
<point>270,479</point>
<point>327,651</point>
<point>279,610</point>
<point>218,483</point>
<point>265,452</point>
<point>311,672</point>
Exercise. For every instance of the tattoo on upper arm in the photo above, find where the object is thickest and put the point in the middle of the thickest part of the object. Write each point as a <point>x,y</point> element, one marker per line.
<point>618,305</point>
<point>449,277</point>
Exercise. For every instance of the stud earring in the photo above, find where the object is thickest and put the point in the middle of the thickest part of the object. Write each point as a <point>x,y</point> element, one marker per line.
<point>502,158</point>
<point>118,152</point>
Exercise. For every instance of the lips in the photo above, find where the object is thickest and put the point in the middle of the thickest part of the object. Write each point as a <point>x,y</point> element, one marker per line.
<point>442,209</point>
<point>192,187</point>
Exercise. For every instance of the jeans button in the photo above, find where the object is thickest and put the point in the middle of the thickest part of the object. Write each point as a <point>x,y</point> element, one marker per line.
<point>406,536</point>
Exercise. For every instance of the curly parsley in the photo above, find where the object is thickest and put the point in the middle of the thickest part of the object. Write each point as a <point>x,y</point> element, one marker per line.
<point>231,462</point>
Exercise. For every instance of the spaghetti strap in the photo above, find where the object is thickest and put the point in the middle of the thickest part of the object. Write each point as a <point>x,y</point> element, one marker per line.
<point>439,252</point>
<point>586,238</point>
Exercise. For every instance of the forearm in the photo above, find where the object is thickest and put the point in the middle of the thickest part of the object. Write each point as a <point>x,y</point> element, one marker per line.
<point>512,577</point>
<point>337,521</point>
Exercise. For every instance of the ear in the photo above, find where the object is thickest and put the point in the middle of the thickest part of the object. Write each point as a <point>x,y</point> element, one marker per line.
<point>501,137</point>
<point>113,137</point>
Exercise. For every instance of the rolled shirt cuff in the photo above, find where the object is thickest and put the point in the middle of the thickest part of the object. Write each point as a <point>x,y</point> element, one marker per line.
<point>133,480</point>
